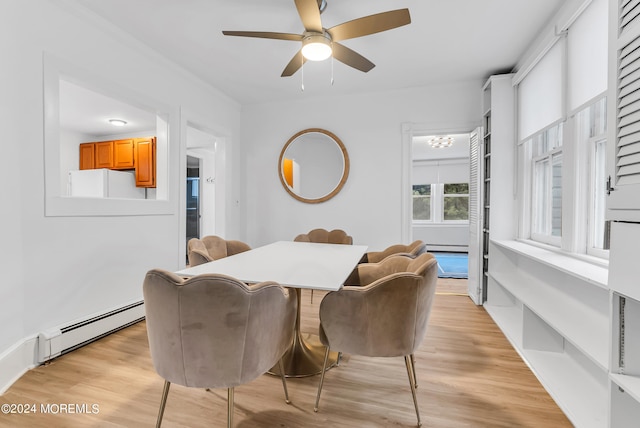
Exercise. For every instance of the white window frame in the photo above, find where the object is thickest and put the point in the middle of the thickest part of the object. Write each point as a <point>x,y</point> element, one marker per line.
<point>590,131</point>
<point>431,205</point>
<point>532,160</point>
<point>597,185</point>
<point>452,195</point>
<point>545,238</point>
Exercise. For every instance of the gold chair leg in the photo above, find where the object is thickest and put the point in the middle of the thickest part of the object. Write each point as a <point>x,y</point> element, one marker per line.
<point>412,382</point>
<point>324,370</point>
<point>312,296</point>
<point>284,382</point>
<point>229,407</point>
<point>413,366</point>
<point>163,402</point>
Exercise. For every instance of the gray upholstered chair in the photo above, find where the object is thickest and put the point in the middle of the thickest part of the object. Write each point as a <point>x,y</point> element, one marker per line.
<point>386,318</point>
<point>212,248</point>
<point>336,236</point>
<point>213,331</point>
<point>323,236</point>
<point>412,250</point>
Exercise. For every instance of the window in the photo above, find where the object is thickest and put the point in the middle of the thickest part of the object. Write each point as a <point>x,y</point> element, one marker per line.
<point>440,202</point>
<point>455,204</point>
<point>591,135</point>
<point>422,202</point>
<point>583,158</point>
<point>546,200</point>
<point>598,234</point>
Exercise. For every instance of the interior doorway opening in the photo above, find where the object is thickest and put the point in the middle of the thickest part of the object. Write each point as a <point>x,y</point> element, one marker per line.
<point>201,202</point>
<point>193,199</point>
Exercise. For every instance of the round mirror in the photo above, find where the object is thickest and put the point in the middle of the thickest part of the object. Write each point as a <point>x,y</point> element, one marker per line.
<point>313,165</point>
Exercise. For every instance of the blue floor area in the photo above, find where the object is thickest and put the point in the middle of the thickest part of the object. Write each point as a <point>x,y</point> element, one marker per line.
<point>452,265</point>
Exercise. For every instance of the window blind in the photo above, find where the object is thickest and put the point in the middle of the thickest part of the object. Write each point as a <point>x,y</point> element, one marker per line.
<point>442,171</point>
<point>540,94</point>
<point>587,55</point>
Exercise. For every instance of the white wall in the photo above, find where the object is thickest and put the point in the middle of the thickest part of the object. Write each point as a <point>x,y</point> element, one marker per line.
<point>59,269</point>
<point>443,237</point>
<point>370,126</point>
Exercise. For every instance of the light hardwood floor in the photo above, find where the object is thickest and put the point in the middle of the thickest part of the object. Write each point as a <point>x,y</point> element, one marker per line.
<point>468,376</point>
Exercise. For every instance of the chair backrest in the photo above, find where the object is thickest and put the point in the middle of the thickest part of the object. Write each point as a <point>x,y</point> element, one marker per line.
<point>213,248</point>
<point>213,331</point>
<point>336,236</point>
<point>386,318</point>
<point>414,249</point>
<point>370,272</point>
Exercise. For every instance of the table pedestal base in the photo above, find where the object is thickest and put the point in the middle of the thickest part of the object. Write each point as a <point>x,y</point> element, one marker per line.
<point>305,356</point>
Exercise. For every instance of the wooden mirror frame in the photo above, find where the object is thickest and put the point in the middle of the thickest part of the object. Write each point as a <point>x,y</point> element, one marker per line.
<point>345,171</point>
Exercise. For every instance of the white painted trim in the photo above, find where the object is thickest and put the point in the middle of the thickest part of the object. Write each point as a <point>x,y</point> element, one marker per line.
<point>16,361</point>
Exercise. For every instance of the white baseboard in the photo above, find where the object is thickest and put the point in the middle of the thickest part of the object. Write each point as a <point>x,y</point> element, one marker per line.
<point>16,361</point>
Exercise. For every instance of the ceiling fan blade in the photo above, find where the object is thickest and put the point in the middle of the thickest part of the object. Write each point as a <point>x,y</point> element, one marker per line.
<point>370,25</point>
<point>265,35</point>
<point>351,58</point>
<point>294,65</point>
<point>310,15</point>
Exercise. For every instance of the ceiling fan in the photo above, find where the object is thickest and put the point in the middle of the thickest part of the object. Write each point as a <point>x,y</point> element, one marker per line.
<point>319,43</point>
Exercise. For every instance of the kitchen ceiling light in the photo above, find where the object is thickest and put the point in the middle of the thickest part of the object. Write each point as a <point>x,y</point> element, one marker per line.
<point>441,142</point>
<point>316,47</point>
<point>117,122</point>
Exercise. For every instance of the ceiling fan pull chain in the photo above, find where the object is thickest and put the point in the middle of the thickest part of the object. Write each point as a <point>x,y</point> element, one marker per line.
<point>302,74</point>
<point>332,70</point>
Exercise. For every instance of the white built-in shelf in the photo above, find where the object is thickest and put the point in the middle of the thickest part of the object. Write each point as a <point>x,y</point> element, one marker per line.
<point>588,272</point>
<point>580,319</point>
<point>509,318</point>
<point>583,399</point>
<point>630,384</point>
<point>576,392</point>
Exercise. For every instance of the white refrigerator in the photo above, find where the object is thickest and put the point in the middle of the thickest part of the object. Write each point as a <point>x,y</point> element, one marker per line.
<point>104,183</point>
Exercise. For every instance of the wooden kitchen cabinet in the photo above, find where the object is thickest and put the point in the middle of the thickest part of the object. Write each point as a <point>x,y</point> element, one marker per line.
<point>103,155</point>
<point>87,155</point>
<point>145,160</point>
<point>123,154</point>
<point>131,153</point>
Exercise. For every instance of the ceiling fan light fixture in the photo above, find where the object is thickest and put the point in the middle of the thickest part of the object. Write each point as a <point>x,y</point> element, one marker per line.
<point>316,47</point>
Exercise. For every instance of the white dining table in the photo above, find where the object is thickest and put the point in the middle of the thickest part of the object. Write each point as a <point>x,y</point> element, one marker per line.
<point>299,265</point>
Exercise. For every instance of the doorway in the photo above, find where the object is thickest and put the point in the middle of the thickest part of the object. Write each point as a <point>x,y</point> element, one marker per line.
<point>202,192</point>
<point>193,199</point>
<point>436,171</point>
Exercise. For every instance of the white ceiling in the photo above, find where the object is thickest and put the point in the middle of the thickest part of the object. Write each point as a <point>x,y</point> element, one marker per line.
<point>447,41</point>
<point>88,112</point>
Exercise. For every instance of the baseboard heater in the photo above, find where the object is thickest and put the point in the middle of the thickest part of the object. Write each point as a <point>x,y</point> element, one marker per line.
<point>55,342</point>
<point>457,248</point>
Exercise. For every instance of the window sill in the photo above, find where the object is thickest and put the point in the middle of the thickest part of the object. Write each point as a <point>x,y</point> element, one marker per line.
<point>587,268</point>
